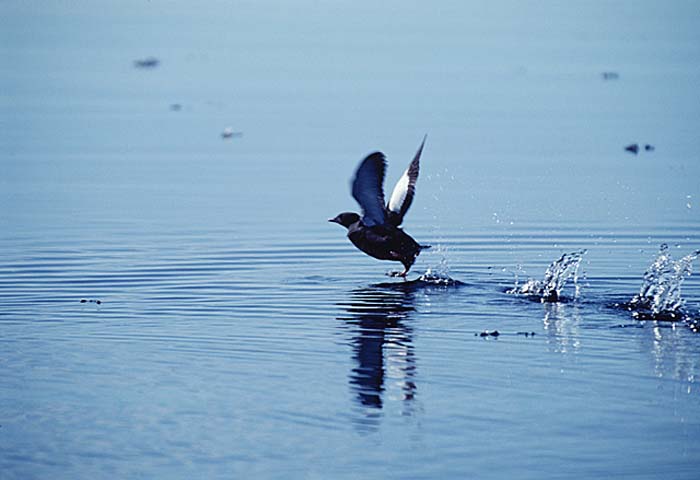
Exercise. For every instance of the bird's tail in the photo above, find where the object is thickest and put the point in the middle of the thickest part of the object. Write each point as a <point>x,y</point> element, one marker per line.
<point>424,247</point>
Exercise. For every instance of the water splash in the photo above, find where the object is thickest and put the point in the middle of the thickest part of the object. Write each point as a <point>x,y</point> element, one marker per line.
<point>438,277</point>
<point>443,267</point>
<point>660,295</point>
<point>549,289</point>
<point>439,274</point>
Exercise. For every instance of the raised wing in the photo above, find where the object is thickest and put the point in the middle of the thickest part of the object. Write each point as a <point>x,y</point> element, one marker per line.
<point>405,189</point>
<point>367,189</point>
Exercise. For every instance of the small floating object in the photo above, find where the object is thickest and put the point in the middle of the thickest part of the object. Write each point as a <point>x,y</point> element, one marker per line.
<point>229,133</point>
<point>148,62</point>
<point>526,334</point>
<point>634,148</point>
<point>486,333</point>
<point>175,107</point>
<point>83,300</point>
<point>610,75</point>
<point>649,148</point>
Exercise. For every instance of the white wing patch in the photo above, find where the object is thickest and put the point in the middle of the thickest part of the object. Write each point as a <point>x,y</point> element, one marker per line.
<point>398,196</point>
<point>405,189</point>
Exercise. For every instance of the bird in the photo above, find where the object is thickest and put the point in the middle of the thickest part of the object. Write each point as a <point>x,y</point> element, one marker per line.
<point>377,232</point>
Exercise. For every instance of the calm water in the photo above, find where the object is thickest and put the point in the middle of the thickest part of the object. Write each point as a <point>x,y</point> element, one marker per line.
<point>240,335</point>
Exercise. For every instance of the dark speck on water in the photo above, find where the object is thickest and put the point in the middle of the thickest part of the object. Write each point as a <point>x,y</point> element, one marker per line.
<point>98,302</point>
<point>633,148</point>
<point>526,334</point>
<point>487,333</point>
<point>149,62</point>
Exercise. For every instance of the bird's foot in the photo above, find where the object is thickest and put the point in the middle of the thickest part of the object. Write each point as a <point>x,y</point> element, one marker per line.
<point>398,274</point>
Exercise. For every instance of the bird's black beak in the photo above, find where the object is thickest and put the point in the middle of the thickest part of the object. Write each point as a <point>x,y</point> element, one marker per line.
<point>334,220</point>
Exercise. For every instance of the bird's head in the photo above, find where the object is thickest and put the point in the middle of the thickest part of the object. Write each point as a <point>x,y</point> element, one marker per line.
<point>345,219</point>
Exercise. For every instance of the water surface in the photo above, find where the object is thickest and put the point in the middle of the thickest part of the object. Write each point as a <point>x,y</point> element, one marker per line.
<point>239,334</point>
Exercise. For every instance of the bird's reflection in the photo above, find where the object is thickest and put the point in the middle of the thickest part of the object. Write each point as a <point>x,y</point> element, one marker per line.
<point>381,338</point>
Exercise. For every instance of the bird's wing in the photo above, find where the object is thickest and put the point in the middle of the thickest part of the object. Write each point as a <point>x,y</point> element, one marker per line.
<point>405,188</point>
<point>367,189</point>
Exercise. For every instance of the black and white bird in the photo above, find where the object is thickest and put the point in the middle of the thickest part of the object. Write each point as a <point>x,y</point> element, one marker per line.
<point>378,232</point>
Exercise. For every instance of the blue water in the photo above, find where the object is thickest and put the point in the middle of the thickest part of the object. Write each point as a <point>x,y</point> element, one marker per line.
<point>240,335</point>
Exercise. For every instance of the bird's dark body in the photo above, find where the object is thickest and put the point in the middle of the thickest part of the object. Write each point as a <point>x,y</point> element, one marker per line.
<point>385,242</point>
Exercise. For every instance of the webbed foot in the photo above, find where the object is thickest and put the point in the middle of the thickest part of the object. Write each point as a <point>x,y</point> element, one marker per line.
<point>398,274</point>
